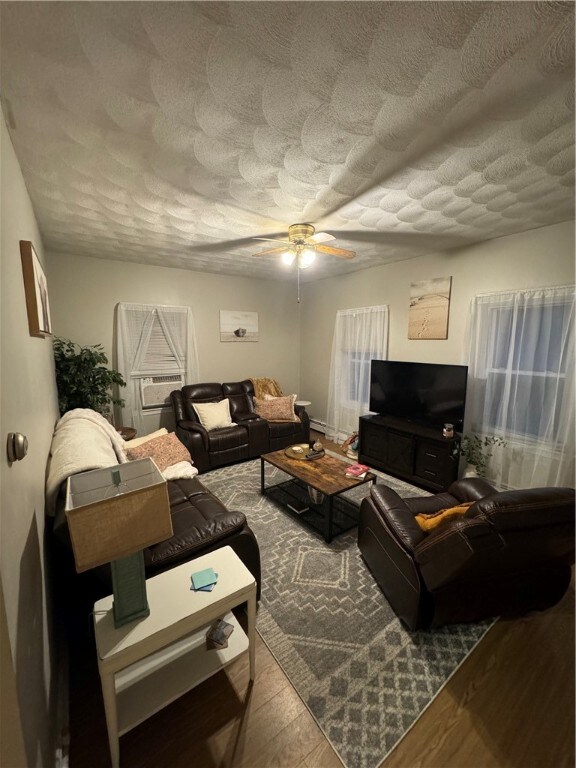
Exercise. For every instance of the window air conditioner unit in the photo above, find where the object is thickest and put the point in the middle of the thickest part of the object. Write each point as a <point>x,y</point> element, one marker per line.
<point>155,390</point>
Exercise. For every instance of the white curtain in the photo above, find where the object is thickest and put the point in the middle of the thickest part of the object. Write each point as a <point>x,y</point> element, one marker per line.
<point>153,341</point>
<point>521,384</point>
<point>360,335</point>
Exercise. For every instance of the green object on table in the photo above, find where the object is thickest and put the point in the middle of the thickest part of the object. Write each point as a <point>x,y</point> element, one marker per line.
<point>205,578</point>
<point>129,587</point>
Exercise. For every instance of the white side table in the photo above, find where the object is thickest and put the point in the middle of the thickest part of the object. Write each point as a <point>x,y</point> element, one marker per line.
<point>305,403</point>
<point>147,664</point>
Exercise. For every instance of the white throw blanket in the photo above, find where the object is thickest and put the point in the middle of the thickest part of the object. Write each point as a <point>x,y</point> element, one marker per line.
<point>82,440</point>
<point>179,471</point>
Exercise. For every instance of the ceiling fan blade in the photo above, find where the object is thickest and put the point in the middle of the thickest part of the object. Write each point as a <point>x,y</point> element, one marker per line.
<point>270,251</point>
<point>226,245</point>
<point>336,251</point>
<point>404,238</point>
<point>272,240</point>
<point>320,237</point>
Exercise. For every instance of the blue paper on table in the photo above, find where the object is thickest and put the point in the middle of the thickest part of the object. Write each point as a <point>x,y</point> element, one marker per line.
<point>204,578</point>
<point>207,588</point>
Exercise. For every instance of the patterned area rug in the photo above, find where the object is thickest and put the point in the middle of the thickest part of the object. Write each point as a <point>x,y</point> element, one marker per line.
<point>364,678</point>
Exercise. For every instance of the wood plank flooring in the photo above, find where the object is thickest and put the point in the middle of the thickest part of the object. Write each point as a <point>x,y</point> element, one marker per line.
<point>510,705</point>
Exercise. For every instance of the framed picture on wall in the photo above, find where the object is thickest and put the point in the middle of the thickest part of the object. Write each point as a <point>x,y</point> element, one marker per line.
<point>237,325</point>
<point>429,307</point>
<point>36,291</point>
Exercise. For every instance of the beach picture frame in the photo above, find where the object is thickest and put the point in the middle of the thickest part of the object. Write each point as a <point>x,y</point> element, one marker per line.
<point>429,308</point>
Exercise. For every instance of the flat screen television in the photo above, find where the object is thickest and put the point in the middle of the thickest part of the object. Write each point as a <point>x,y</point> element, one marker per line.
<point>427,393</point>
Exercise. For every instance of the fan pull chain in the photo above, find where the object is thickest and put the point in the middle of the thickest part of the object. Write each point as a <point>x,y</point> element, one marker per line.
<point>298,273</point>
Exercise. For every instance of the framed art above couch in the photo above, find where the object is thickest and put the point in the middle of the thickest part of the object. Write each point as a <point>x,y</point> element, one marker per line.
<point>36,291</point>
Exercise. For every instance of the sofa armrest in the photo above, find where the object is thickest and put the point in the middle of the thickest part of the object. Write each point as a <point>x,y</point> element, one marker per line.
<point>455,547</point>
<point>258,435</point>
<point>244,416</point>
<point>396,516</point>
<point>193,428</point>
<point>195,438</point>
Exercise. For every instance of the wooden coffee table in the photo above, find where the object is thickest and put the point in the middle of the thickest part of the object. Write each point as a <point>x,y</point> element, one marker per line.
<point>329,513</point>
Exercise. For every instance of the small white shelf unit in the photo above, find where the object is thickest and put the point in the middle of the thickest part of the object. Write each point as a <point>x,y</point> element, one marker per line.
<point>147,664</point>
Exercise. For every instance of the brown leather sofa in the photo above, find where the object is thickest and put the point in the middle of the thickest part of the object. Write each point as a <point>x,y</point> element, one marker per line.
<point>248,438</point>
<point>511,552</point>
<point>201,524</point>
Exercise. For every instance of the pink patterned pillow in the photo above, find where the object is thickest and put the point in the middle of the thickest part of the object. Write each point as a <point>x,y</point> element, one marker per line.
<point>165,450</point>
<point>277,408</point>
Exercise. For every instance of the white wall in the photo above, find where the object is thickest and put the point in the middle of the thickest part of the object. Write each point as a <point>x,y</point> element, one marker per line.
<point>540,257</point>
<point>296,339</point>
<point>84,293</point>
<point>28,404</point>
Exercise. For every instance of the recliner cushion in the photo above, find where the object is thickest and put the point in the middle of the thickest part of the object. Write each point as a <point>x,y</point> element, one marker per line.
<point>199,519</point>
<point>234,436</point>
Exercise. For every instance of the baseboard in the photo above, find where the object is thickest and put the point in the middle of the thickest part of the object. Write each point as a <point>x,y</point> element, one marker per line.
<point>318,426</point>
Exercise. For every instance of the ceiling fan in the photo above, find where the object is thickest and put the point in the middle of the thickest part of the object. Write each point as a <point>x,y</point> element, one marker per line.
<point>302,245</point>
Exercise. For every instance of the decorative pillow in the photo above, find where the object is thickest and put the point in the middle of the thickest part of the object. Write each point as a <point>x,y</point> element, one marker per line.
<point>277,408</point>
<point>214,415</point>
<point>275,397</point>
<point>165,450</point>
<point>433,520</point>
<point>144,439</point>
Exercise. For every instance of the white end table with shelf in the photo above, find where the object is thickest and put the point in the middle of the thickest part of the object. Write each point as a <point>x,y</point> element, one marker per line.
<point>149,663</point>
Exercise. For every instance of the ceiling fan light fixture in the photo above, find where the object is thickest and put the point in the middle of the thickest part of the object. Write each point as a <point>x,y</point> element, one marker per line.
<point>301,247</point>
<point>306,258</point>
<point>288,258</point>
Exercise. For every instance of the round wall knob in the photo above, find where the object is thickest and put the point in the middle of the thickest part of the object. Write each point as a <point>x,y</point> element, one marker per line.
<point>17,446</point>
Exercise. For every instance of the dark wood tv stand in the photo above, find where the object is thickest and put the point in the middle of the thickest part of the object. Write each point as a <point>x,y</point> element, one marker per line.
<point>413,452</point>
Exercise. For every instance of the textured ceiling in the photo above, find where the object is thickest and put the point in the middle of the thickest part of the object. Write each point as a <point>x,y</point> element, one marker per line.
<point>173,133</point>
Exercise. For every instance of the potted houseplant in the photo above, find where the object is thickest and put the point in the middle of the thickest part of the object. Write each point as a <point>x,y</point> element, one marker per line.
<point>475,450</point>
<point>83,378</point>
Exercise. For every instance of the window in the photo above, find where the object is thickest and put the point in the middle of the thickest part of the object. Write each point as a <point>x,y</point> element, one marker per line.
<point>156,354</point>
<point>360,335</point>
<point>358,366</point>
<point>528,368</point>
<point>521,383</point>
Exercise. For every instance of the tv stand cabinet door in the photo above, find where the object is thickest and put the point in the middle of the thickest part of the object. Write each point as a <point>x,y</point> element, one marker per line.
<point>400,453</point>
<point>373,440</point>
<point>387,449</point>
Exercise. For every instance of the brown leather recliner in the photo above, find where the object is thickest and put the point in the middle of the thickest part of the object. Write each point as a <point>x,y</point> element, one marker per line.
<point>511,552</point>
<point>249,437</point>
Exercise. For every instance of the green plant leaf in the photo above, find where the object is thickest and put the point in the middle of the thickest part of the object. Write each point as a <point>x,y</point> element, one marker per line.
<point>473,449</point>
<point>83,378</point>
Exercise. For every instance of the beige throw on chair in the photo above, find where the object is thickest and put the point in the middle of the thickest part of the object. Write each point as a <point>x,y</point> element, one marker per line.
<point>265,386</point>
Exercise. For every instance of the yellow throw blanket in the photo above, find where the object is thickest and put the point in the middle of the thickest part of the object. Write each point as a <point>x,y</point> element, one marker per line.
<point>264,386</point>
<point>433,520</point>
